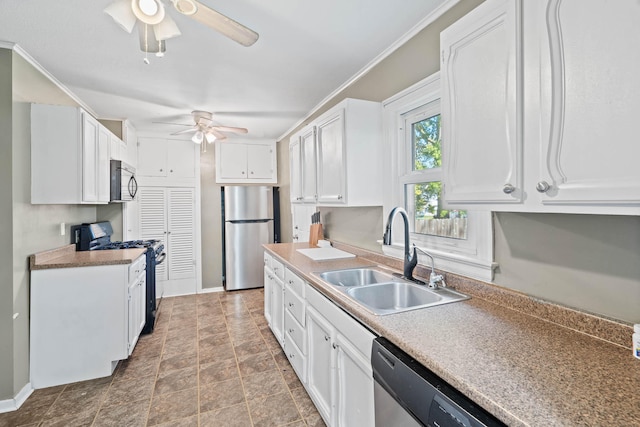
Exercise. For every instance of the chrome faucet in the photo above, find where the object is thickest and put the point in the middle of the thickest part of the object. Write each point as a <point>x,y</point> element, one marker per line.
<point>435,280</point>
<point>410,259</point>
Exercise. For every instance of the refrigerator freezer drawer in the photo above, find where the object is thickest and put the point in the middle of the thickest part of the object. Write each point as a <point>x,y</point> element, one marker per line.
<point>244,253</point>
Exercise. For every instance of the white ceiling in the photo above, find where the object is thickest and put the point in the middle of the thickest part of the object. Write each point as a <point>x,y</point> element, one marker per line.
<point>306,50</point>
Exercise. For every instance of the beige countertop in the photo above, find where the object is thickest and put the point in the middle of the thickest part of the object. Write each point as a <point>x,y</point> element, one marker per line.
<point>525,370</point>
<point>67,257</point>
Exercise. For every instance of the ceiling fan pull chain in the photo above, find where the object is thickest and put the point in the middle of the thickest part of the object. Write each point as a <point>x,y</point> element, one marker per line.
<point>146,44</point>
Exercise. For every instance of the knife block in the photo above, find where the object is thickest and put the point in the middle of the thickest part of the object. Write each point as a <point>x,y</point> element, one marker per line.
<point>315,234</point>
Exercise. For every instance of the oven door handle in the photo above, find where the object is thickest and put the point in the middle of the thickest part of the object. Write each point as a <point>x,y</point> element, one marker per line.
<point>160,259</point>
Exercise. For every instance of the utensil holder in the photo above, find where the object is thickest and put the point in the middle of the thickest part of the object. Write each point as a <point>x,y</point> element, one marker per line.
<point>315,234</point>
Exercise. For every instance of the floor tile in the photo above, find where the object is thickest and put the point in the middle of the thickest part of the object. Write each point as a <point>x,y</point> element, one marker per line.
<point>264,384</point>
<point>172,381</point>
<point>85,396</point>
<point>221,394</point>
<point>191,421</point>
<point>131,369</point>
<point>255,363</point>
<point>173,406</point>
<point>131,414</point>
<point>129,391</point>
<point>274,410</point>
<point>218,371</point>
<point>303,402</point>
<point>80,418</point>
<point>249,347</point>
<point>233,416</point>
<point>172,362</point>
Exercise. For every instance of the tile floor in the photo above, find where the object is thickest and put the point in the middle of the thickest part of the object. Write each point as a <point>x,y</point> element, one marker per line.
<point>211,361</point>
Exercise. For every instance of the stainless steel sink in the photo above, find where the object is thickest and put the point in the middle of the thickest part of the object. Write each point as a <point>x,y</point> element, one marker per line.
<point>356,277</point>
<point>396,297</point>
<point>383,293</point>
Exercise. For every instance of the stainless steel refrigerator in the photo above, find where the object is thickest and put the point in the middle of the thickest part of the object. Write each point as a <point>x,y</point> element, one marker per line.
<point>250,219</point>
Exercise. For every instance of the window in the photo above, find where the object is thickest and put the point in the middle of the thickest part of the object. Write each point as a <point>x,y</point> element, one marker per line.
<point>423,190</point>
<point>459,240</point>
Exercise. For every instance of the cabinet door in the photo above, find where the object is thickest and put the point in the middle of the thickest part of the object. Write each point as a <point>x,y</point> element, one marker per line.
<point>152,157</point>
<point>89,158</point>
<point>133,308</point>
<point>320,361</point>
<point>309,166</point>
<point>301,220</point>
<point>114,147</point>
<point>295,170</point>
<point>277,309</point>
<point>354,386</point>
<point>482,105</point>
<point>153,220</point>
<point>180,159</point>
<point>589,103</point>
<point>331,174</point>
<point>181,233</point>
<point>233,160</point>
<point>103,165</point>
<point>260,161</point>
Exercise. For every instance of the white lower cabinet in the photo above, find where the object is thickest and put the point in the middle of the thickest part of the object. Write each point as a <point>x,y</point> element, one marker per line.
<point>328,349</point>
<point>84,320</point>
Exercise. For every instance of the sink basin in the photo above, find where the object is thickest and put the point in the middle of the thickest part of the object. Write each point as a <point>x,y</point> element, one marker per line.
<point>355,277</point>
<point>396,297</point>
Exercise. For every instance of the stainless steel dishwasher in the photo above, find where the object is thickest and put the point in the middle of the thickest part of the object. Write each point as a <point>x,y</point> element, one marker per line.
<point>408,394</point>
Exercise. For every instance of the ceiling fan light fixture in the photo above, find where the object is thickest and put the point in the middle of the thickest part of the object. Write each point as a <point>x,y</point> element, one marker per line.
<point>210,137</point>
<point>186,7</point>
<point>151,12</point>
<point>122,14</point>
<point>166,29</point>
<point>198,137</point>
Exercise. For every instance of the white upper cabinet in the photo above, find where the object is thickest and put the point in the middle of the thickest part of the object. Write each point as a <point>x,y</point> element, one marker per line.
<point>170,160</point>
<point>349,146</point>
<point>590,101</point>
<point>246,163</point>
<point>69,156</point>
<point>338,160</point>
<point>482,105</point>
<point>542,111</point>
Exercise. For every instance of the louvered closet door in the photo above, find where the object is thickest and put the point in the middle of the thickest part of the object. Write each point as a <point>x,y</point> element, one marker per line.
<point>181,217</point>
<point>153,220</point>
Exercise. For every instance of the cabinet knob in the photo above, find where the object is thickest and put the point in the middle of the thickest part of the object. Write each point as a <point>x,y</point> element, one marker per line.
<point>160,170</point>
<point>251,172</point>
<point>508,189</point>
<point>290,304</point>
<point>334,345</point>
<point>542,187</point>
<point>339,196</point>
<point>242,172</point>
<point>290,330</point>
<point>291,282</point>
<point>326,338</point>
<point>170,170</point>
<point>290,355</point>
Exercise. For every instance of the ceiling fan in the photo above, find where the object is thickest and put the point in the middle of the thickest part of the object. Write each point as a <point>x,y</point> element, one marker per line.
<point>204,128</point>
<point>151,13</point>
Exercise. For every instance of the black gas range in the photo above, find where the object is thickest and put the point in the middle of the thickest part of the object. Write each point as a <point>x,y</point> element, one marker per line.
<point>97,236</point>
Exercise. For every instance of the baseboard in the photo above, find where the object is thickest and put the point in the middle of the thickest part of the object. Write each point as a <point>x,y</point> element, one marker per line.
<point>210,290</point>
<point>15,403</point>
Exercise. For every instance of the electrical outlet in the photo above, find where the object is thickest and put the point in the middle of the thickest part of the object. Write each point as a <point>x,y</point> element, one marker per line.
<point>63,228</point>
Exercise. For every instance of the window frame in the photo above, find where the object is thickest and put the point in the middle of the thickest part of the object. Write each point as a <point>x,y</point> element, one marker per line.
<point>471,257</point>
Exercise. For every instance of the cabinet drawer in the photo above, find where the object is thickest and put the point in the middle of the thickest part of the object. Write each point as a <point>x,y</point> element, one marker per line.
<point>293,282</point>
<point>294,305</point>
<point>295,331</point>
<point>296,358</point>
<point>137,268</point>
<point>278,268</point>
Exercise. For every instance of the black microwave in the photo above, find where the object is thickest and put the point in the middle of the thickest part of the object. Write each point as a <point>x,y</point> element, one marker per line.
<point>123,182</point>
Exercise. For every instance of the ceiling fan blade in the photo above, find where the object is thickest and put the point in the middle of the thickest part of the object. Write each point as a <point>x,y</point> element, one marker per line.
<point>224,25</point>
<point>230,129</point>
<point>218,135</point>
<point>180,132</point>
<point>172,124</point>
